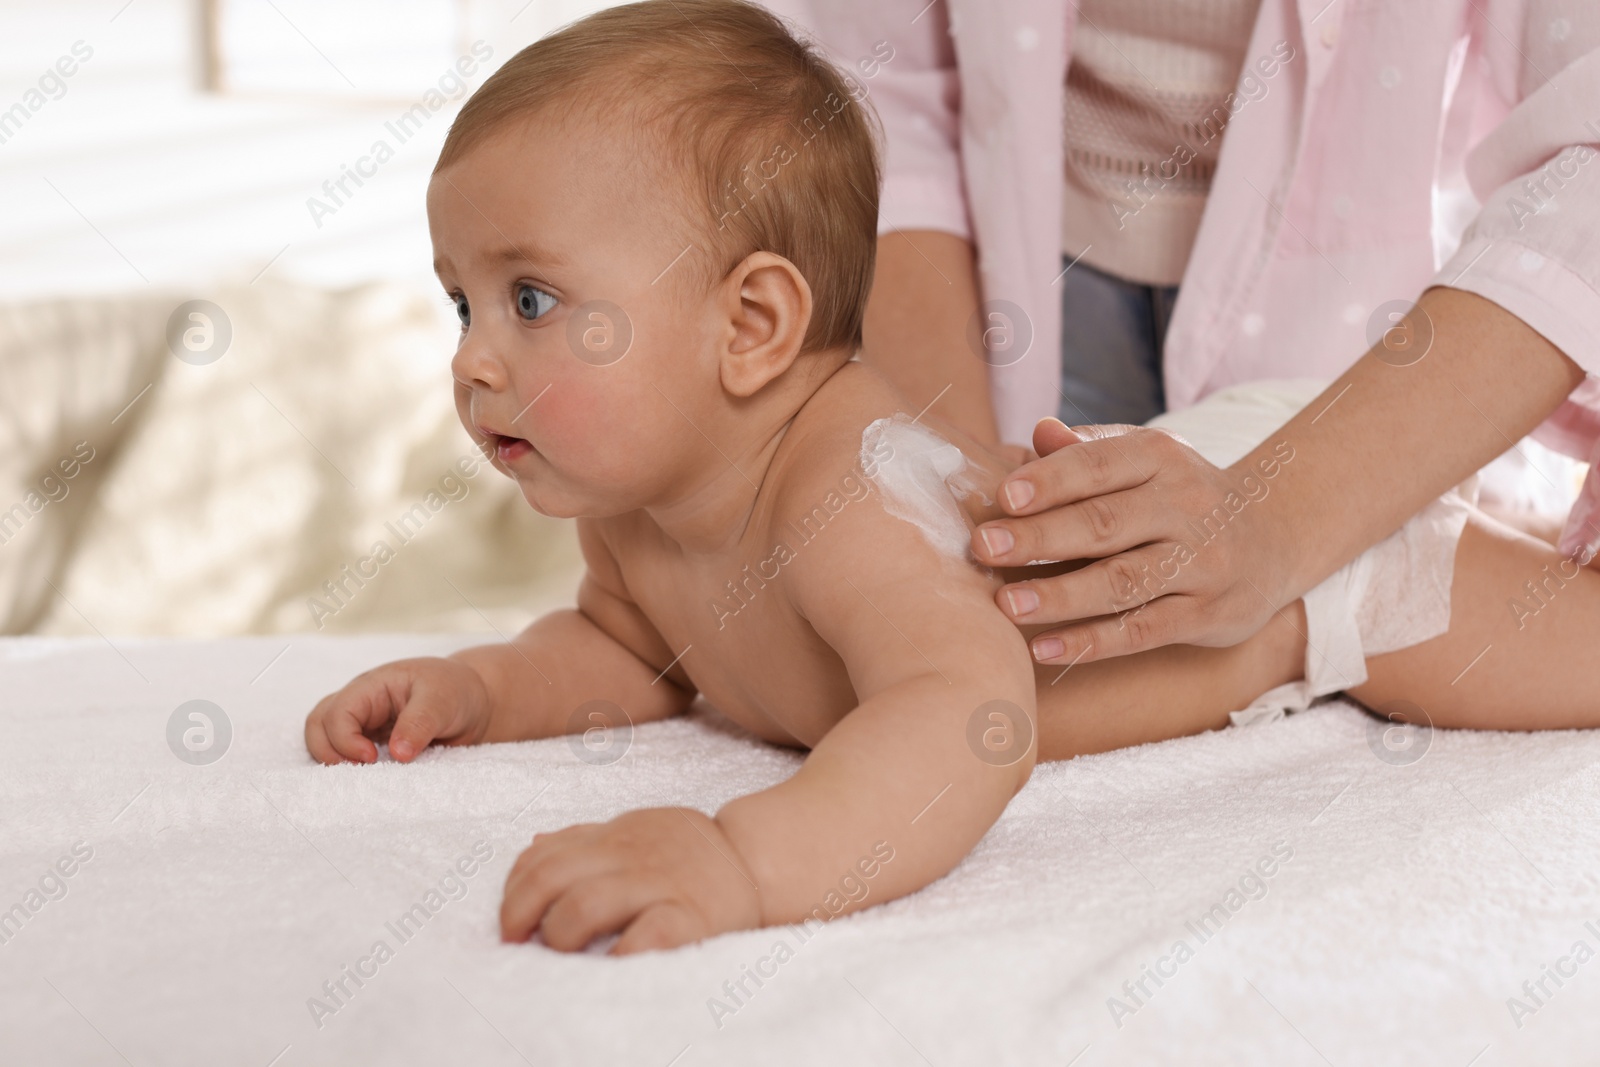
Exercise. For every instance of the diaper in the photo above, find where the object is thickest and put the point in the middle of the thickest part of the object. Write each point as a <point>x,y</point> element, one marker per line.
<point>1394,595</point>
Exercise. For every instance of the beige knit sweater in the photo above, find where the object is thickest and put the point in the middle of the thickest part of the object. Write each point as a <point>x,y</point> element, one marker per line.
<point>1143,123</point>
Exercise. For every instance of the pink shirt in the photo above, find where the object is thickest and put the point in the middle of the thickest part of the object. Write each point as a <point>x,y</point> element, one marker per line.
<point>1347,175</point>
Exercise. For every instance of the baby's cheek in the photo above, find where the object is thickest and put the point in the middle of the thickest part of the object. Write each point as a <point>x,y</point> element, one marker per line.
<point>565,419</point>
<point>607,429</point>
<point>587,427</point>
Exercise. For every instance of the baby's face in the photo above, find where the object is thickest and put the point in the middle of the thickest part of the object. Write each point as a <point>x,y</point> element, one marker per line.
<point>585,351</point>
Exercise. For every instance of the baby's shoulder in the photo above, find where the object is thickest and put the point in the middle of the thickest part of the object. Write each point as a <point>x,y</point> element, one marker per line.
<point>858,461</point>
<point>872,517</point>
<point>824,456</point>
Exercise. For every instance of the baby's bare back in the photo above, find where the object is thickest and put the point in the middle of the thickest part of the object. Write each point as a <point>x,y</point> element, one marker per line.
<point>851,456</point>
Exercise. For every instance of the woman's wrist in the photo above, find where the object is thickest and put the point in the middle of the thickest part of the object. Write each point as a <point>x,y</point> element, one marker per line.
<point>1407,422</point>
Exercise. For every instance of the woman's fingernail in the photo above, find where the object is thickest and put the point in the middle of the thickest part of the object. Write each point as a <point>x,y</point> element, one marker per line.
<point>1048,648</point>
<point>998,539</point>
<point>1023,601</point>
<point>1019,493</point>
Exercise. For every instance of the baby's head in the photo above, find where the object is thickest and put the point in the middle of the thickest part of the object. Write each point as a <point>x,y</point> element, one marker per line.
<point>657,225</point>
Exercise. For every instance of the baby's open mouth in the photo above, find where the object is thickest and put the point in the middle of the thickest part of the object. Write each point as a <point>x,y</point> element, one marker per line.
<point>507,449</point>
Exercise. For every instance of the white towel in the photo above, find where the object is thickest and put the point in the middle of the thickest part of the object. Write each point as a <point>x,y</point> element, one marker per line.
<point>1418,899</point>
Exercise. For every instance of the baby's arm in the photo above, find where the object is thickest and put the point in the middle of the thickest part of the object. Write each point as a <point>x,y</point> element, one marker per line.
<point>928,654</point>
<point>517,690</point>
<point>890,799</point>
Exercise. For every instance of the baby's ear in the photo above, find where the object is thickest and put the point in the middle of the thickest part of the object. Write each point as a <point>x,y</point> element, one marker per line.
<point>769,308</point>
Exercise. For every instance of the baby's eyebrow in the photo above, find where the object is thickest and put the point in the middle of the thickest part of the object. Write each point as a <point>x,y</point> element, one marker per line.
<point>521,253</point>
<point>525,252</point>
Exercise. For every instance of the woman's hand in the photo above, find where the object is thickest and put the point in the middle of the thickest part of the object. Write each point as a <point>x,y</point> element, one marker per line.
<point>1183,550</point>
<point>1189,553</point>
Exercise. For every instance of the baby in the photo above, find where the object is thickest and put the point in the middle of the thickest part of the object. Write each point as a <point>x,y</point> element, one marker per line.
<point>657,226</point>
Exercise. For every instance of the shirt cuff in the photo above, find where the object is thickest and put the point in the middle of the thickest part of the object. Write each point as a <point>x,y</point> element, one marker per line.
<point>922,202</point>
<point>1540,291</point>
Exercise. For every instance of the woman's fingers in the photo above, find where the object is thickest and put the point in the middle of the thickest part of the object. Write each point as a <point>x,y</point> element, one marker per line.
<point>1104,459</point>
<point>1146,626</point>
<point>1183,551</point>
<point>1108,586</point>
<point>1120,463</point>
<point>1083,499</point>
<point>1052,435</point>
<point>1142,600</point>
<point>1089,529</point>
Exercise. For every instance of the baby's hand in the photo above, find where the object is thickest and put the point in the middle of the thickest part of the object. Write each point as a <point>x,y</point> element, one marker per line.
<point>412,702</point>
<point>662,877</point>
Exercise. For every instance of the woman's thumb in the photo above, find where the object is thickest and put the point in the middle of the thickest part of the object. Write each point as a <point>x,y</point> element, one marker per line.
<point>1051,435</point>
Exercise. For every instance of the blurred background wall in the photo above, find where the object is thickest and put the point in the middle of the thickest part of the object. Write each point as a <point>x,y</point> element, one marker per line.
<point>225,401</point>
<point>224,386</point>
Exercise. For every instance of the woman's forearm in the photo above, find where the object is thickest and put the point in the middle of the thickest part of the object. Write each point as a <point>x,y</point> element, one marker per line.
<point>924,294</point>
<point>1391,435</point>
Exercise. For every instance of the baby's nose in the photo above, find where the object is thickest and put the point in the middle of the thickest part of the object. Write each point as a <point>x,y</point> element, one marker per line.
<point>475,366</point>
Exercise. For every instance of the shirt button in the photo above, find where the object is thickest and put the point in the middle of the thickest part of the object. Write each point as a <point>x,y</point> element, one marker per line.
<point>1329,34</point>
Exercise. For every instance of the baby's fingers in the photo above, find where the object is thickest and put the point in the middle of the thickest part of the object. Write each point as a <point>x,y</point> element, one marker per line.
<point>334,734</point>
<point>317,739</point>
<point>359,712</point>
<point>427,716</point>
<point>545,871</point>
<point>593,908</point>
<point>667,924</point>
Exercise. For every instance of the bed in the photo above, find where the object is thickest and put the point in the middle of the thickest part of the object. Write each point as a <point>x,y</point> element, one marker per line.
<point>1342,896</point>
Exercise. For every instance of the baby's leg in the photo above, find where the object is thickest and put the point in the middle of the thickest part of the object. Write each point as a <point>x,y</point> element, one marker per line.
<point>1503,667</point>
<point>1164,693</point>
<point>1499,667</point>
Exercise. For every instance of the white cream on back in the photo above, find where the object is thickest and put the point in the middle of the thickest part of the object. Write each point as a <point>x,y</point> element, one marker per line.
<point>922,482</point>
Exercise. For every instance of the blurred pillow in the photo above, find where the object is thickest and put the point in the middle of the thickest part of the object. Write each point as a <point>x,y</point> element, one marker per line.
<point>254,490</point>
<point>73,375</point>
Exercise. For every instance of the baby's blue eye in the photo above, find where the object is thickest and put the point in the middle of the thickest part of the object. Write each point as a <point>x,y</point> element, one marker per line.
<point>463,312</point>
<point>531,302</point>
